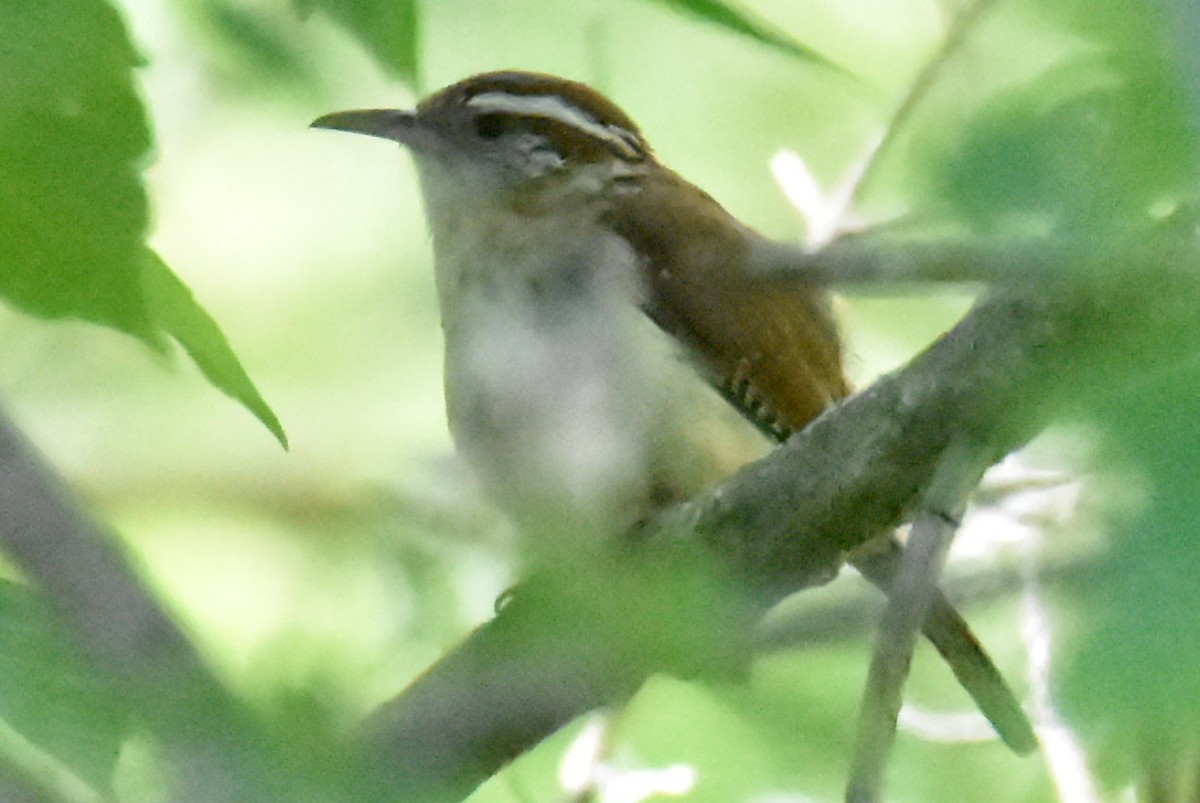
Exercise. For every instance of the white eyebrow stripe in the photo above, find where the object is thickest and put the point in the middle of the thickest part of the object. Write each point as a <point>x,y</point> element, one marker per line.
<point>552,107</point>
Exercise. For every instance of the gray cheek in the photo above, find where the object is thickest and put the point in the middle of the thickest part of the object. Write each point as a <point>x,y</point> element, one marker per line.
<point>534,155</point>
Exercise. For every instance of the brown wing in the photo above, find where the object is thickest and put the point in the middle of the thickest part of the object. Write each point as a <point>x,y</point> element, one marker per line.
<point>771,348</point>
<point>773,351</point>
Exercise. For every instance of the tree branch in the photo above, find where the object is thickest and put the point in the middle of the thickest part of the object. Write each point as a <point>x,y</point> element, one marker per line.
<point>911,598</point>
<point>217,752</point>
<point>571,643</point>
<point>788,521</point>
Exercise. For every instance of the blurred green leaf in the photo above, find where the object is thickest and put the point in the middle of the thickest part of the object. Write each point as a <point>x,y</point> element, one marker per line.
<point>1181,19</point>
<point>1105,155</point>
<point>73,213</point>
<point>51,696</point>
<point>178,314</point>
<point>1133,687</point>
<point>389,28</point>
<point>1086,132</point>
<point>253,47</point>
<point>1092,141</point>
<point>740,22</point>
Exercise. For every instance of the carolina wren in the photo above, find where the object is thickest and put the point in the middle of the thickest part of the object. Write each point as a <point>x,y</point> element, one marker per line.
<point>608,348</point>
<point>607,351</point>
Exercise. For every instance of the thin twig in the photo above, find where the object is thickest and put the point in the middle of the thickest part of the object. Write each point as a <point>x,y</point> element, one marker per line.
<point>830,216</point>
<point>781,524</point>
<point>786,522</point>
<point>950,634</point>
<point>945,500</point>
<point>921,84</point>
<point>852,611</point>
<point>881,259</point>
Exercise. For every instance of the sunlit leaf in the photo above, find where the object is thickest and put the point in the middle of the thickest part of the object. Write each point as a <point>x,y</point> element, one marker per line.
<point>73,212</point>
<point>73,137</point>
<point>175,310</point>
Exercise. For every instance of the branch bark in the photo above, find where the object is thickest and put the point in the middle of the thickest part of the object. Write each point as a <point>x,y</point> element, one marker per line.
<point>785,523</point>
<point>715,564</point>
<point>217,752</point>
<point>911,599</point>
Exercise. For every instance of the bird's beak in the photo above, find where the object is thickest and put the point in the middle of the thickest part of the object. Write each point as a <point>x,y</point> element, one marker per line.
<point>393,124</point>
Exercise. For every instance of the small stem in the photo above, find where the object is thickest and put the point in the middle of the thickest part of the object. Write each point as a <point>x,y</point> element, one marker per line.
<point>911,596</point>
<point>924,80</point>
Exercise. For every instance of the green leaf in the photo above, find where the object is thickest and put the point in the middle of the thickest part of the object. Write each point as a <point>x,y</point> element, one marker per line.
<point>390,28</point>
<point>73,137</point>
<point>73,212</point>
<point>1133,687</point>
<point>251,48</point>
<point>1087,131</point>
<point>743,23</point>
<point>1080,154</point>
<point>175,310</point>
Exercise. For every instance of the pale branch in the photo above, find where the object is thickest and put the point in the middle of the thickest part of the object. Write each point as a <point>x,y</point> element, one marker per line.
<point>850,611</point>
<point>889,256</point>
<point>951,636</point>
<point>910,600</point>
<point>108,612</point>
<point>787,522</point>
<point>776,527</point>
<point>83,569</point>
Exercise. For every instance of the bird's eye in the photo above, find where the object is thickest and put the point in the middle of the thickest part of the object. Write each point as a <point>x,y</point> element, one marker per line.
<point>490,126</point>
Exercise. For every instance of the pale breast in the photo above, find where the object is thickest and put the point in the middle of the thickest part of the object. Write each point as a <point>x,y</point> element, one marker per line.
<point>574,409</point>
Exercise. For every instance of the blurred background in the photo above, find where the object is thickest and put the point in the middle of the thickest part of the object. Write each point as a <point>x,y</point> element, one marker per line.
<point>327,576</point>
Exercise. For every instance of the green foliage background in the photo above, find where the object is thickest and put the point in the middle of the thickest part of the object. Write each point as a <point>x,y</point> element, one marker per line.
<point>320,580</point>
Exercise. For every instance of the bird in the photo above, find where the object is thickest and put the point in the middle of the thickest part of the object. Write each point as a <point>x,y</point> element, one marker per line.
<point>611,345</point>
